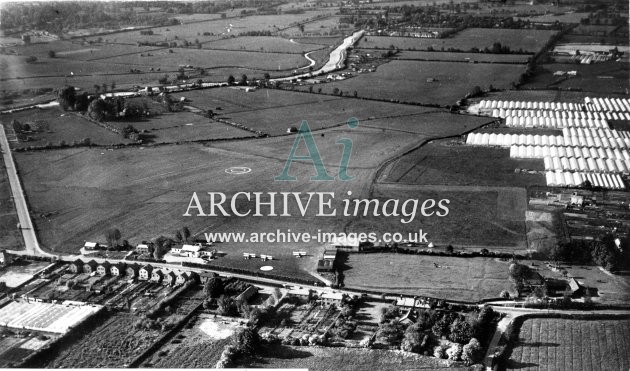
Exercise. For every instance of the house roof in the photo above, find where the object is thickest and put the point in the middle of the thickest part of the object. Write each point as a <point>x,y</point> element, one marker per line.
<point>91,263</point>
<point>332,295</point>
<point>90,244</point>
<point>345,242</point>
<point>573,284</point>
<point>192,248</point>
<point>78,262</point>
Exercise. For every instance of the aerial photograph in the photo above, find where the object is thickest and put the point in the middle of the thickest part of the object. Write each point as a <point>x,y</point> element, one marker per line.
<point>324,185</point>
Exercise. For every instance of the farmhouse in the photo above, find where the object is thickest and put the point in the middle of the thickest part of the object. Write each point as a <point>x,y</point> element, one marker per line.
<point>144,274</point>
<point>76,266</point>
<point>132,271</point>
<point>103,268</point>
<point>90,266</point>
<point>117,269</point>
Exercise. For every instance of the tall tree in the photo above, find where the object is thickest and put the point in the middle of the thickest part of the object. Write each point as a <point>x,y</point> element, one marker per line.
<point>66,97</point>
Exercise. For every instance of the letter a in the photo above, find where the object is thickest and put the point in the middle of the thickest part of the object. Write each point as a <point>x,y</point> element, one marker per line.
<point>314,156</point>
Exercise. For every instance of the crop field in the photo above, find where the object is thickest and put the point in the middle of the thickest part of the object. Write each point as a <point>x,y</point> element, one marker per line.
<point>599,78</point>
<point>56,126</point>
<point>345,359</point>
<point>426,82</point>
<point>462,57</point>
<point>263,44</point>
<point>452,163</point>
<point>10,235</point>
<point>525,40</point>
<point>554,343</point>
<point>197,346</point>
<point>477,216</point>
<point>322,27</point>
<point>114,343</point>
<point>467,279</point>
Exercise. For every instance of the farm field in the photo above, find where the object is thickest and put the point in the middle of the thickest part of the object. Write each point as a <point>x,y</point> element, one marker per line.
<point>105,189</point>
<point>213,58</point>
<point>526,40</point>
<point>199,346</point>
<point>462,57</point>
<point>449,162</point>
<point>114,343</point>
<point>274,111</point>
<point>465,279</point>
<point>215,27</point>
<point>267,44</point>
<point>182,127</point>
<point>10,235</point>
<point>598,78</point>
<point>479,217</point>
<point>426,82</point>
<point>347,359</point>
<point>554,343</point>
<point>54,126</point>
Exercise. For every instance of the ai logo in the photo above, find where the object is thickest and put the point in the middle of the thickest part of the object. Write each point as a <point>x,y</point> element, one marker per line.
<point>305,134</point>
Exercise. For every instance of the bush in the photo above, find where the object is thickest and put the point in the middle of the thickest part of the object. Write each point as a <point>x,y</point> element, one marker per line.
<point>438,352</point>
<point>471,352</point>
<point>454,352</point>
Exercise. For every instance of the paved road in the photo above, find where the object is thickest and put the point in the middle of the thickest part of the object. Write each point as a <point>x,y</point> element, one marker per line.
<point>30,238</point>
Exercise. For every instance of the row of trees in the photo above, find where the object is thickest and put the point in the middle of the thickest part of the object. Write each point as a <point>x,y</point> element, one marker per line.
<point>607,251</point>
<point>430,325</point>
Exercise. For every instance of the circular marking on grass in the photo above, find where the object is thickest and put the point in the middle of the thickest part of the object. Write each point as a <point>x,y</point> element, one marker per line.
<point>266,268</point>
<point>238,170</point>
<point>352,122</point>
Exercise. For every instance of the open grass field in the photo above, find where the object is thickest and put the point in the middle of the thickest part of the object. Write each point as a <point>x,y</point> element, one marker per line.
<point>462,57</point>
<point>452,163</point>
<point>346,359</point>
<point>182,127</point>
<point>479,217</point>
<point>554,343</point>
<point>216,27</point>
<point>82,192</point>
<point>263,43</point>
<point>10,235</point>
<point>409,81</point>
<point>527,40</point>
<point>465,279</point>
<point>57,126</point>
<point>598,78</point>
<point>213,58</point>
<point>274,111</point>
